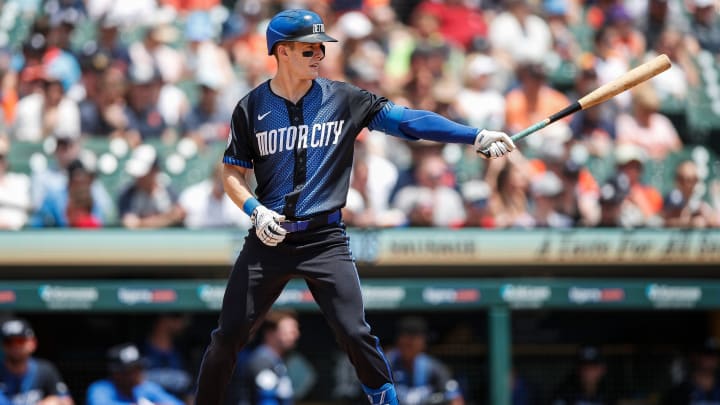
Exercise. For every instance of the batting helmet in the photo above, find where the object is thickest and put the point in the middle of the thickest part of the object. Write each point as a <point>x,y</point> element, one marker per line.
<point>297,26</point>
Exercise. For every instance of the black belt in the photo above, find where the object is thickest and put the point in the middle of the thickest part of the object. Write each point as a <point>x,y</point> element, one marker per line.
<point>314,222</point>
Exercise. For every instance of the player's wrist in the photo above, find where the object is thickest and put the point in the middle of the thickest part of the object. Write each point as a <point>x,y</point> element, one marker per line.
<point>250,205</point>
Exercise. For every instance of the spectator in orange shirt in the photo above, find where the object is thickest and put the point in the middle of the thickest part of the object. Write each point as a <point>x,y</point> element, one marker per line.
<point>533,100</point>
<point>644,198</point>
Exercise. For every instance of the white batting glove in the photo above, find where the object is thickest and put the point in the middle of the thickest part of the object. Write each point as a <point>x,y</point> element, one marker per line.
<point>267,225</point>
<point>493,144</point>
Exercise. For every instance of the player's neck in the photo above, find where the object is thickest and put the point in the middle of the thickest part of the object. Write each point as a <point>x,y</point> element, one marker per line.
<point>289,88</point>
<point>16,367</point>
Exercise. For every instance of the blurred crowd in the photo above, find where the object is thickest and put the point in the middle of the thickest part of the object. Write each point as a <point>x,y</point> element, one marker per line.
<point>145,76</point>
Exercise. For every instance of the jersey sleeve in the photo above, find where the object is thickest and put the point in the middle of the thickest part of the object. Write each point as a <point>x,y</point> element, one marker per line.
<point>52,382</point>
<point>364,104</point>
<point>238,151</point>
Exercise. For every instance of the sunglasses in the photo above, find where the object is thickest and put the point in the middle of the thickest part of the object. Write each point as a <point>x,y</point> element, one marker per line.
<point>15,341</point>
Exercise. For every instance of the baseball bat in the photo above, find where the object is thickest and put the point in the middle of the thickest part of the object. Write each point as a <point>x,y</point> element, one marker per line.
<point>603,93</point>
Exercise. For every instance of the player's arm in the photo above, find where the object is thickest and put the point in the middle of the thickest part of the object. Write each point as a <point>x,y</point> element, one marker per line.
<point>238,159</point>
<point>266,221</point>
<point>413,125</point>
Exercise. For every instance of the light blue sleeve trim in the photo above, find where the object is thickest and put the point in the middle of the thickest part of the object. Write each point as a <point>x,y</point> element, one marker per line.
<point>250,205</point>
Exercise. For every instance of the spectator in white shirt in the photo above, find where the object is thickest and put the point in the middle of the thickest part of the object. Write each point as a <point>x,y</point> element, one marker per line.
<point>14,192</point>
<point>47,111</point>
<point>207,206</point>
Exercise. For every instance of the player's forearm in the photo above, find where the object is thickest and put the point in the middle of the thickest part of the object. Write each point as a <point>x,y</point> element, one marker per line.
<point>235,184</point>
<point>420,124</point>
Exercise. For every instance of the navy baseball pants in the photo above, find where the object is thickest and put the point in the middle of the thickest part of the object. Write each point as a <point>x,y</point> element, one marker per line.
<point>322,257</point>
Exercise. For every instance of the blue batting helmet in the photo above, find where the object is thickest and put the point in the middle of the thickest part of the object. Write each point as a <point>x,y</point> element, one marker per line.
<point>297,26</point>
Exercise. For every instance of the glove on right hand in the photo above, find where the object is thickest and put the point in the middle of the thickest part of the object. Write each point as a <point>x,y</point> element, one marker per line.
<point>493,144</point>
<point>267,225</point>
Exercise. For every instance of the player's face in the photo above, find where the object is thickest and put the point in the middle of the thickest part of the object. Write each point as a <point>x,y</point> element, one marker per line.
<point>410,345</point>
<point>19,348</point>
<point>305,60</point>
<point>287,333</point>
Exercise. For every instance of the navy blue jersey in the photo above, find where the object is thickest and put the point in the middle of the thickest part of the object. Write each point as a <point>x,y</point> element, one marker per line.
<point>302,153</point>
<point>39,381</point>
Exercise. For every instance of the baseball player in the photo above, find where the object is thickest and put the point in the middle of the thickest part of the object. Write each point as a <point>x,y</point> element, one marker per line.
<point>420,379</point>
<point>25,379</point>
<point>297,132</point>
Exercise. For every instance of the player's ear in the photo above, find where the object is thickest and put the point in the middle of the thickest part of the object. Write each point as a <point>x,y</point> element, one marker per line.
<point>283,49</point>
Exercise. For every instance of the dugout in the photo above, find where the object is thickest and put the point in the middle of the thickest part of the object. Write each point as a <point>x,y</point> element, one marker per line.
<point>493,300</point>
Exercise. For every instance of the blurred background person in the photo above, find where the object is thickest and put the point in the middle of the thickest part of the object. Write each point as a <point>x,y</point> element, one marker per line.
<point>510,197</point>
<point>593,128</point>
<point>165,359</point>
<point>142,114</point>
<point>459,22</point>
<point>264,375</point>
<point>207,206</point>
<point>479,104</point>
<point>52,181</point>
<point>587,383</point>
<point>102,111</point>
<point>47,110</point>
<point>71,206</point>
<point>683,206</point>
<point>14,191</point>
<point>371,183</point>
<point>207,121</point>
<point>127,383</point>
<point>517,34</point>
<point>532,100</point>
<point>612,202</point>
<point>645,127</point>
<point>705,25</point>
<point>25,379</point>
<point>643,204</point>
<point>476,195</point>
<point>432,200</point>
<point>702,384</point>
<point>147,202</point>
<point>546,191</point>
<point>419,377</point>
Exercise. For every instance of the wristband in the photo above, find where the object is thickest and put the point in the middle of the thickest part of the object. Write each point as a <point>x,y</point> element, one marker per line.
<point>250,205</point>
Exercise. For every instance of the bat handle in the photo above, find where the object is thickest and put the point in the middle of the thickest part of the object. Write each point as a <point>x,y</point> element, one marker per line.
<point>529,130</point>
<point>522,134</point>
